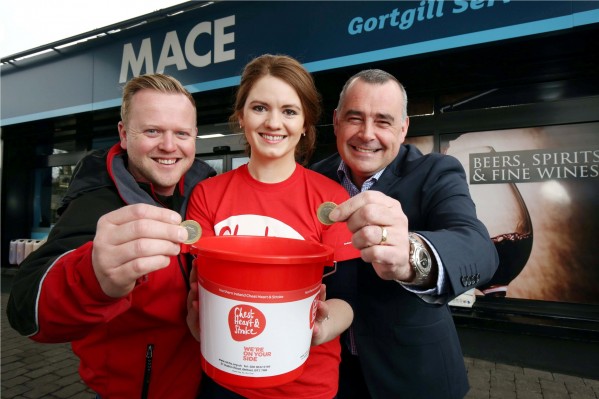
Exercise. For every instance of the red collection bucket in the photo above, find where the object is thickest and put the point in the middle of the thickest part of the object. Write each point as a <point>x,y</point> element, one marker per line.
<point>257,306</point>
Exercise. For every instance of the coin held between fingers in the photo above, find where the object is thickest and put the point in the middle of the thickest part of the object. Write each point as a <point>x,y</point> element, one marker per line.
<point>194,231</point>
<point>323,212</point>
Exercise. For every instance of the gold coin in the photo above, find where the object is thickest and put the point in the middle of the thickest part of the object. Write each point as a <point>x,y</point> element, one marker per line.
<point>323,212</point>
<point>194,231</point>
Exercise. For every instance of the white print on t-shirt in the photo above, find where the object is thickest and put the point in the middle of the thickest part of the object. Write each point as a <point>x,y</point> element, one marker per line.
<point>255,225</point>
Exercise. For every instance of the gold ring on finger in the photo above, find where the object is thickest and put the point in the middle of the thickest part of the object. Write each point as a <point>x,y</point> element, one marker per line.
<point>383,236</point>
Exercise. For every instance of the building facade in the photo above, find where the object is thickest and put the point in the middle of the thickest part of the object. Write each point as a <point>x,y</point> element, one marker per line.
<point>511,88</point>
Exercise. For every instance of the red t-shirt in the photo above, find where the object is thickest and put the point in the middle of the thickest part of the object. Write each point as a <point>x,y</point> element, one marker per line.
<point>237,204</point>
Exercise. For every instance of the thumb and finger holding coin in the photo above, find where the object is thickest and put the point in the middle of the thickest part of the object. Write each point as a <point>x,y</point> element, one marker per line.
<point>325,209</point>
<point>323,212</point>
<point>194,231</point>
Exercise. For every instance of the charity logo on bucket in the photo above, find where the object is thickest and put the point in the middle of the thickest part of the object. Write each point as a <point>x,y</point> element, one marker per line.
<point>246,322</point>
<point>266,335</point>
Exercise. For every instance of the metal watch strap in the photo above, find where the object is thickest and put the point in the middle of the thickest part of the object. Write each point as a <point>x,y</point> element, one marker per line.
<point>420,260</point>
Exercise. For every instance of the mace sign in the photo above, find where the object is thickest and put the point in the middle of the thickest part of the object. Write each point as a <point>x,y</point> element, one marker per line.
<point>181,53</point>
<point>206,48</point>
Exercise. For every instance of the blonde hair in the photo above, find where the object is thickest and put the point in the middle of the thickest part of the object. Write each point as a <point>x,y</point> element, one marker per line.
<point>159,82</point>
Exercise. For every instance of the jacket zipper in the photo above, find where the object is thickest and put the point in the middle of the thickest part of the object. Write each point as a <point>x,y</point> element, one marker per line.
<point>184,269</point>
<point>148,371</point>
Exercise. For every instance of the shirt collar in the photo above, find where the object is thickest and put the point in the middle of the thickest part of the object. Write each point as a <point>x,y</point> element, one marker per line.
<point>344,175</point>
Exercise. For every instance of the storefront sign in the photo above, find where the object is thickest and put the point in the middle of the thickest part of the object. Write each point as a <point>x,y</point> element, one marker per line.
<point>534,165</point>
<point>206,48</point>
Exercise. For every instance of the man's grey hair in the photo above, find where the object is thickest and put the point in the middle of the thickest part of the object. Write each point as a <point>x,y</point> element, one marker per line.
<point>375,77</point>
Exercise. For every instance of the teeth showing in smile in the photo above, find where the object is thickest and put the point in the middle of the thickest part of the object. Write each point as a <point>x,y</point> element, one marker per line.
<point>272,138</point>
<point>167,161</point>
<point>360,149</point>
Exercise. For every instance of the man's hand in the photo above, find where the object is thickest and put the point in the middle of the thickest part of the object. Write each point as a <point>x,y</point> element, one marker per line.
<point>367,215</point>
<point>133,241</point>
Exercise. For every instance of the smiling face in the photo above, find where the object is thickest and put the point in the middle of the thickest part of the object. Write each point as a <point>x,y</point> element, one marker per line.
<point>369,127</point>
<point>159,137</point>
<point>273,120</point>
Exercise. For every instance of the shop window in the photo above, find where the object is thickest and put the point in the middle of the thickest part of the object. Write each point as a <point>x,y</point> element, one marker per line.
<point>218,164</point>
<point>51,184</point>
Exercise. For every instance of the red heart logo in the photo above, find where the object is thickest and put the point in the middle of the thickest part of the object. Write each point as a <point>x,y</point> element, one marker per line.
<point>246,322</point>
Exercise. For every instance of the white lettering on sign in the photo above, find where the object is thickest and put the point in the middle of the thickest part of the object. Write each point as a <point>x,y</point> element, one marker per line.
<point>404,19</point>
<point>172,54</point>
<point>534,165</point>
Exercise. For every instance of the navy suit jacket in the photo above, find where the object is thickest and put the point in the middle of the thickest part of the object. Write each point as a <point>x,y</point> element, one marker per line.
<point>409,348</point>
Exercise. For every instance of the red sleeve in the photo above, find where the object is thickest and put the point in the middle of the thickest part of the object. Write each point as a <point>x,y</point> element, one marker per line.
<point>71,301</point>
<point>197,209</point>
<point>338,235</point>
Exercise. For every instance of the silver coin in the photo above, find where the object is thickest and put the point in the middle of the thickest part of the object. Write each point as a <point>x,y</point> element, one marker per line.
<point>323,212</point>
<point>194,231</point>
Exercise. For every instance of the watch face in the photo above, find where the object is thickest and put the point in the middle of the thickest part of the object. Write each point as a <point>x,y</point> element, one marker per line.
<point>422,258</point>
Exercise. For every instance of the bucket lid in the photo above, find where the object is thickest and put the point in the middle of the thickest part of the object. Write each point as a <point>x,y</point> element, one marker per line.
<point>258,249</point>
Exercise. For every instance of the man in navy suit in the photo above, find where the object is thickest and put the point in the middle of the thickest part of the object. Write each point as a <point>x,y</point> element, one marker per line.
<point>421,243</point>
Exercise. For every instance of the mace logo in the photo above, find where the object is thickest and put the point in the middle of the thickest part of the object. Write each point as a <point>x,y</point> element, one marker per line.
<point>172,53</point>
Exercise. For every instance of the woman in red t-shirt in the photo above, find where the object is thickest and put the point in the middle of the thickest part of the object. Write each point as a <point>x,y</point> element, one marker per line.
<point>277,107</point>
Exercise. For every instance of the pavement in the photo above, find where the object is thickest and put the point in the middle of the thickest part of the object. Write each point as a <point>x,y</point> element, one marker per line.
<point>30,370</point>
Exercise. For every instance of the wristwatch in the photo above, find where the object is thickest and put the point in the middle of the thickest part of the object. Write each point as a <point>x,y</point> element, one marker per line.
<point>420,260</point>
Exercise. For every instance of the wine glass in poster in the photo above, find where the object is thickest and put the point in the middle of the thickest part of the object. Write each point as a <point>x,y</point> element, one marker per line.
<point>541,179</point>
<point>506,216</point>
